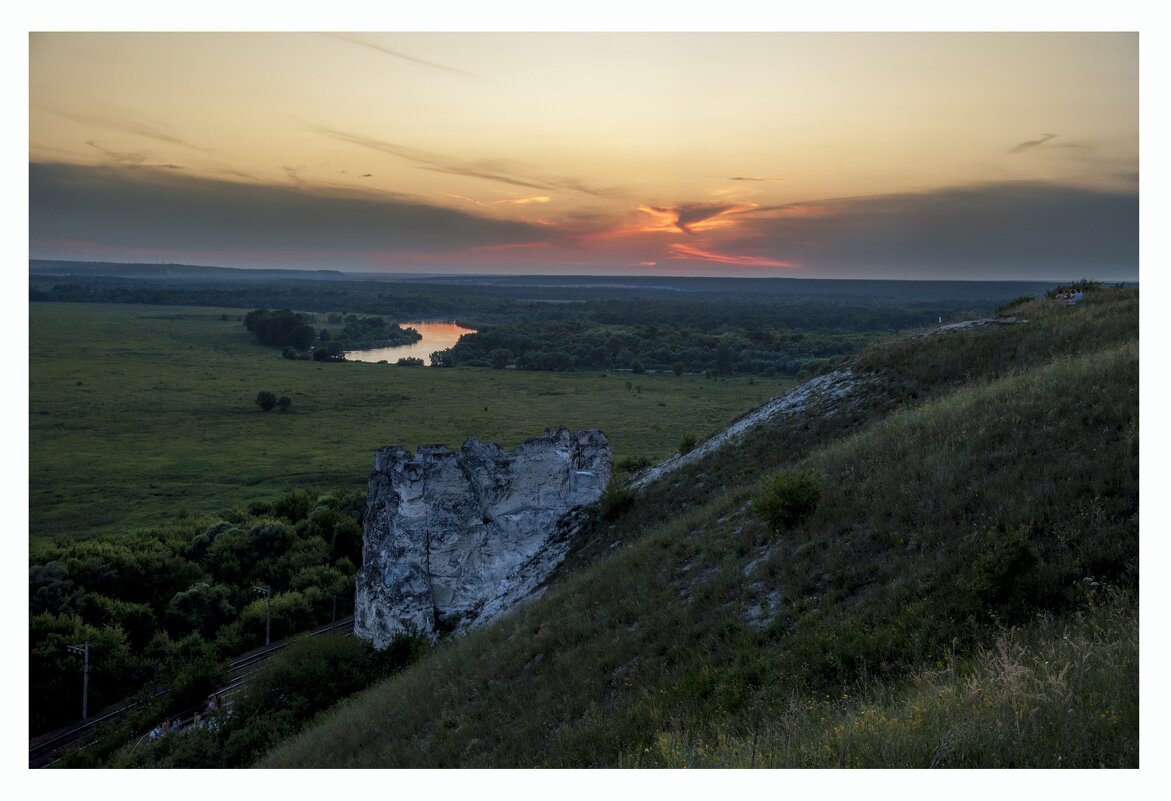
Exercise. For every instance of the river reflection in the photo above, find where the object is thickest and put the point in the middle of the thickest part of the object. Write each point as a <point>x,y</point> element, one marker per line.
<point>436,336</point>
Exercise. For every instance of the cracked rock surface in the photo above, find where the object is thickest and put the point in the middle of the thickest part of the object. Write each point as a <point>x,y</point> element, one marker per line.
<point>452,539</point>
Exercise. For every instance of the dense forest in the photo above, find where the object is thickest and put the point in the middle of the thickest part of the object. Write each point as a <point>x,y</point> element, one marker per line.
<point>168,606</point>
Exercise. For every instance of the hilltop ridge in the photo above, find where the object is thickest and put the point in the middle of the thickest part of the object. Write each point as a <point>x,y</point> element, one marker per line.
<point>990,477</point>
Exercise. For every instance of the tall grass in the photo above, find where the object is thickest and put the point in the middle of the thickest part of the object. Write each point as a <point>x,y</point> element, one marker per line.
<point>1057,692</point>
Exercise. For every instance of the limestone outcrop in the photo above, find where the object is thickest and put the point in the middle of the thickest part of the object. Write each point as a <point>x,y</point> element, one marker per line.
<point>451,539</point>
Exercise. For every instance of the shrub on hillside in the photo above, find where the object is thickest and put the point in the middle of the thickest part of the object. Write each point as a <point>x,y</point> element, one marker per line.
<point>631,464</point>
<point>788,499</point>
<point>616,501</point>
<point>1009,579</point>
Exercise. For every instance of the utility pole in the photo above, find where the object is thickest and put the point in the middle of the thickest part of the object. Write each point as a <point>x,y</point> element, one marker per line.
<point>266,591</point>
<point>83,649</point>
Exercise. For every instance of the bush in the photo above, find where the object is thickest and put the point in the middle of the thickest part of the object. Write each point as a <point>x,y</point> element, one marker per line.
<point>265,400</point>
<point>631,464</point>
<point>788,499</point>
<point>1009,579</point>
<point>616,501</point>
<point>687,444</point>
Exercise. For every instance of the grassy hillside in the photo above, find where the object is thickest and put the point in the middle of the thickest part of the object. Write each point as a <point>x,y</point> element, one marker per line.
<point>140,413</point>
<point>979,506</point>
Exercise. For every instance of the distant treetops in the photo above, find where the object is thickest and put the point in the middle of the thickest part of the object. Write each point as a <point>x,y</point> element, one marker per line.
<point>283,328</point>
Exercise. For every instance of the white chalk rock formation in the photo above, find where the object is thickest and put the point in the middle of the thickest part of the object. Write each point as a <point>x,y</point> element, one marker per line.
<point>452,540</point>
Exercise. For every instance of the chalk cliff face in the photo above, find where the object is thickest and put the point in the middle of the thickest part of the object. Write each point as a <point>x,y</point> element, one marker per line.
<point>452,540</point>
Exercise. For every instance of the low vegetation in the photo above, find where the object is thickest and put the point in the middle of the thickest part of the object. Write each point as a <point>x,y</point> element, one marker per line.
<point>291,688</point>
<point>1055,692</point>
<point>787,499</point>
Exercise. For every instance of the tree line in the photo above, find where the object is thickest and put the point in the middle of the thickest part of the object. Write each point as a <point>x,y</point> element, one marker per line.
<point>711,326</point>
<point>575,345</point>
<point>284,328</point>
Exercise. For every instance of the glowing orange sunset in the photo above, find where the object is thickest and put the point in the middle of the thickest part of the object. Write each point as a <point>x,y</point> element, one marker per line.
<point>963,155</point>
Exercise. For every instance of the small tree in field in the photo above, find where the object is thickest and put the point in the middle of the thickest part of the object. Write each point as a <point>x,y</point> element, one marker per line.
<point>284,403</point>
<point>265,400</point>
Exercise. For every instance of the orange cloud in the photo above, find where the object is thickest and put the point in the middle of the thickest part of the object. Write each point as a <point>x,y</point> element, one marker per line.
<point>691,218</point>
<point>689,252</point>
<point>660,220</point>
<point>464,197</point>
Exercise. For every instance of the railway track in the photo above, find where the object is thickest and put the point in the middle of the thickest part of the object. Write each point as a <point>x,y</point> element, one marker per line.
<point>47,749</point>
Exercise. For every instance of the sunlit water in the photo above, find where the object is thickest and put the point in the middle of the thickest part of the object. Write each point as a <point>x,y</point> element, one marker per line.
<point>436,336</point>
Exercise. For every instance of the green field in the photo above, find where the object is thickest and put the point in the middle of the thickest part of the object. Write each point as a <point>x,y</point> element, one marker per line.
<point>139,414</point>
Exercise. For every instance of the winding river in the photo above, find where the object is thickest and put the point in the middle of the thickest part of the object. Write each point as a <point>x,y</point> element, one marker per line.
<point>436,336</point>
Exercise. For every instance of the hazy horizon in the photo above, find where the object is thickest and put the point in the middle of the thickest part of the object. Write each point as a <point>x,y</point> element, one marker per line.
<point>934,156</point>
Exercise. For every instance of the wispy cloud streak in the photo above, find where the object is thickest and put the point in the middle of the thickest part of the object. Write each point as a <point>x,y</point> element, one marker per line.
<point>488,171</point>
<point>688,252</point>
<point>119,157</point>
<point>128,126</point>
<point>1032,143</point>
<point>757,179</point>
<point>355,40</point>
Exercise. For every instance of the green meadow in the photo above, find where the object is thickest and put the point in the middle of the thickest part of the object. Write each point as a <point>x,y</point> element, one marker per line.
<point>139,414</point>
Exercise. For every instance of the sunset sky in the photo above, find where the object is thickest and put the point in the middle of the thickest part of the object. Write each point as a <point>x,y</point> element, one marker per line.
<point>966,155</point>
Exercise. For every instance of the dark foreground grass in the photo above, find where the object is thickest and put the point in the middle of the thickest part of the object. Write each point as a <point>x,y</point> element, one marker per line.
<point>1057,692</point>
<point>141,414</point>
<point>938,528</point>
